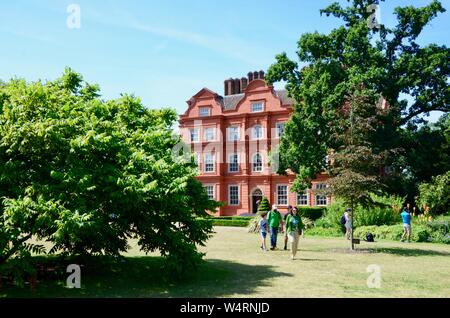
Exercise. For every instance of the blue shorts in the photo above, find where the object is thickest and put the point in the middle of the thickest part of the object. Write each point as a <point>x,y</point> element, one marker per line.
<point>263,234</point>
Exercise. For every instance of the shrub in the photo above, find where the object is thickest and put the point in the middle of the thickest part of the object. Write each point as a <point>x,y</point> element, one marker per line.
<point>320,231</point>
<point>253,225</point>
<point>420,233</point>
<point>386,212</point>
<point>332,215</point>
<point>436,194</point>
<point>224,222</point>
<point>264,205</point>
<point>312,213</point>
<point>376,216</point>
<point>307,223</point>
<point>244,218</point>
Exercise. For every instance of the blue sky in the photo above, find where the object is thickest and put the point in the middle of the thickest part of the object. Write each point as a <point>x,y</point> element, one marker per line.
<point>165,51</point>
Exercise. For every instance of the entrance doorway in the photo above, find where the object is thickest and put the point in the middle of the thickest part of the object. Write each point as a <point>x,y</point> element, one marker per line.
<point>256,200</point>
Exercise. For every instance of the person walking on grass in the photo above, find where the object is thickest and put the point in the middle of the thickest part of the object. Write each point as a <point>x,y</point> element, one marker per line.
<point>275,221</point>
<point>289,212</point>
<point>294,227</point>
<point>263,229</point>
<point>348,223</point>
<point>406,218</point>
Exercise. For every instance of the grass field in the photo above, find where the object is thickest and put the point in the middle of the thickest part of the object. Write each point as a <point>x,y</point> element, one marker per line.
<point>235,267</point>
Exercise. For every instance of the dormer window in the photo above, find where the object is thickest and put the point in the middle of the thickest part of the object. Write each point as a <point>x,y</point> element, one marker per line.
<point>204,111</point>
<point>257,107</point>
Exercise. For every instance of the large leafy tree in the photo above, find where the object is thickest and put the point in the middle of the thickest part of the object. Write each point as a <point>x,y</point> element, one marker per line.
<point>387,62</point>
<point>88,174</point>
<point>428,152</point>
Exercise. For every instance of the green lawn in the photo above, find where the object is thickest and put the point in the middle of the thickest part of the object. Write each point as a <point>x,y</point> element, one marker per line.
<point>235,267</point>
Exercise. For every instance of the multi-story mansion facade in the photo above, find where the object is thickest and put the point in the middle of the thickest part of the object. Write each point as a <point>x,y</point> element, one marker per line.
<point>232,137</point>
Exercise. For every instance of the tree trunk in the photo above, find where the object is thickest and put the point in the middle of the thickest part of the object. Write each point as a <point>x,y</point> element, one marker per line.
<point>351,226</point>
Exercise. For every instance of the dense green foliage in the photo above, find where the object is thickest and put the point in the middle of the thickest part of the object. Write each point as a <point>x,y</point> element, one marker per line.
<point>386,211</point>
<point>312,213</point>
<point>354,60</point>
<point>436,194</point>
<point>435,232</point>
<point>87,174</point>
<point>324,231</point>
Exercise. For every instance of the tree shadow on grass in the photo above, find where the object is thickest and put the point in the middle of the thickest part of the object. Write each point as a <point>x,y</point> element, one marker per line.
<point>143,277</point>
<point>400,251</point>
<point>409,251</point>
<point>315,260</point>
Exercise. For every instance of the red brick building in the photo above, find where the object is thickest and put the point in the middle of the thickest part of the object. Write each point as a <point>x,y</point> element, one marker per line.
<point>231,137</point>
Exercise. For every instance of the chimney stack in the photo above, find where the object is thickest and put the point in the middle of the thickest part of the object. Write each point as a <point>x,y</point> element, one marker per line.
<point>244,83</point>
<point>237,86</point>
<point>226,89</point>
<point>250,77</point>
<point>261,75</point>
<point>230,86</point>
<point>234,86</point>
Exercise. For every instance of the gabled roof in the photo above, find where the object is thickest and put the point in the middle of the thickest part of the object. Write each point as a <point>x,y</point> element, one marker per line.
<point>230,102</point>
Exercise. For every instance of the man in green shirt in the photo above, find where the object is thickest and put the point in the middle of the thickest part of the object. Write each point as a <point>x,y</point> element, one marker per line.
<point>275,221</point>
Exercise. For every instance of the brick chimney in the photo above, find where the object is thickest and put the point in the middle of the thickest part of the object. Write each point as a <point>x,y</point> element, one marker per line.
<point>261,75</point>
<point>226,88</point>
<point>230,86</point>
<point>250,77</point>
<point>237,86</point>
<point>234,86</point>
<point>244,83</point>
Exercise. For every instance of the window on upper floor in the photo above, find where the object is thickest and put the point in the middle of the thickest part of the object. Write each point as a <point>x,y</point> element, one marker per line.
<point>257,162</point>
<point>193,133</point>
<point>233,133</point>
<point>257,132</point>
<point>279,129</point>
<point>204,111</point>
<point>257,107</point>
<point>209,162</point>
<point>209,134</point>
<point>233,162</point>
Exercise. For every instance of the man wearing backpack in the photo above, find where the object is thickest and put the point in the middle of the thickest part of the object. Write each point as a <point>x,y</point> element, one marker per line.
<point>275,221</point>
<point>347,222</point>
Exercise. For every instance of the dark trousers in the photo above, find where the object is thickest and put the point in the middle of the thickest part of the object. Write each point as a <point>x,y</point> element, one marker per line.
<point>273,236</point>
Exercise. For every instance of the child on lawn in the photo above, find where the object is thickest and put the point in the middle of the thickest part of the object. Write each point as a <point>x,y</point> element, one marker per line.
<point>263,226</point>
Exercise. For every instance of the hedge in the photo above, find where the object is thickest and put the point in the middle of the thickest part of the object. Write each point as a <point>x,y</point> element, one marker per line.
<point>312,213</point>
<point>227,222</point>
<point>322,231</point>
<point>420,233</point>
<point>245,218</point>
